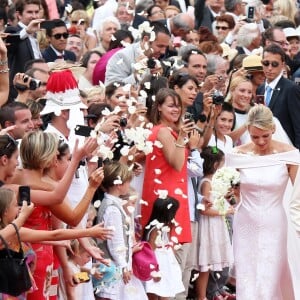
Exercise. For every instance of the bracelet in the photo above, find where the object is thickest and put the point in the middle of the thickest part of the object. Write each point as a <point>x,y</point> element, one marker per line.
<point>179,145</point>
<point>210,126</point>
<point>3,62</point>
<point>4,71</point>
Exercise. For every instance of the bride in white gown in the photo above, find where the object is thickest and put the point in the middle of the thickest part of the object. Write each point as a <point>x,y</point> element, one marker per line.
<point>260,224</point>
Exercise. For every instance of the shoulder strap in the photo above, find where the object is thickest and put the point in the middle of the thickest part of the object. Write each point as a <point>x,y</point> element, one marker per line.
<point>18,235</point>
<point>6,246</point>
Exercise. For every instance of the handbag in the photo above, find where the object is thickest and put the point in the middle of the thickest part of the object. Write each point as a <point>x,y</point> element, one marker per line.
<point>14,274</point>
<point>144,262</point>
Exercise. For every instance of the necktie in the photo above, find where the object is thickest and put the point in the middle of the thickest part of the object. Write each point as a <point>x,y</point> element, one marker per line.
<point>268,95</point>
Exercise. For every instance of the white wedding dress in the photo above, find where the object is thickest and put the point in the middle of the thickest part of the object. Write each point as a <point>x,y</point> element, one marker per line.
<point>261,232</point>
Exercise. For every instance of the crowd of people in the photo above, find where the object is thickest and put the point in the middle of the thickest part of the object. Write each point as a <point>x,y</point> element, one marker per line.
<point>125,120</point>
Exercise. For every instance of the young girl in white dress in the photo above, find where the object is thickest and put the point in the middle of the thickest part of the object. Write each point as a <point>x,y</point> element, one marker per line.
<point>215,251</point>
<point>157,232</point>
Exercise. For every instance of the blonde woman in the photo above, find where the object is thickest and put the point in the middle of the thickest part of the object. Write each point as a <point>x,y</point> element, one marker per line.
<point>260,223</point>
<point>81,21</point>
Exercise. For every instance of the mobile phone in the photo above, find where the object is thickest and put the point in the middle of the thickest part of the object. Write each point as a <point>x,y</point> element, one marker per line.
<point>12,38</point>
<point>24,195</point>
<point>82,277</point>
<point>250,12</point>
<point>100,162</point>
<point>83,130</point>
<point>260,99</point>
<point>188,117</point>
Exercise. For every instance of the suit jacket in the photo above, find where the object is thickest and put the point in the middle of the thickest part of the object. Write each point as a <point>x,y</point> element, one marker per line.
<point>49,55</point>
<point>18,54</point>
<point>285,105</point>
<point>138,20</point>
<point>203,15</point>
<point>120,65</point>
<point>240,50</point>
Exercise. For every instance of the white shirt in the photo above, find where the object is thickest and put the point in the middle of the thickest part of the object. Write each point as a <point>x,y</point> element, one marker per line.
<point>33,41</point>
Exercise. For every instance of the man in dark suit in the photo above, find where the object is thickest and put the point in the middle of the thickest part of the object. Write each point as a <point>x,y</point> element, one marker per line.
<point>25,46</point>
<point>281,94</point>
<point>57,34</point>
<point>206,12</point>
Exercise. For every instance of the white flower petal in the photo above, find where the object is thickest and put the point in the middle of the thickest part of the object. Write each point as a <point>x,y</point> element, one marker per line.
<point>97,203</point>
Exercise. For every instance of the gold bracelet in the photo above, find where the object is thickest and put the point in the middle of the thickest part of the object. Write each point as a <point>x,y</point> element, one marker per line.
<point>4,71</point>
<point>3,62</point>
<point>179,145</point>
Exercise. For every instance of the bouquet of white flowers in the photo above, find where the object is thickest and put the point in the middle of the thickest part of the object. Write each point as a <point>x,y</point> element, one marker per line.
<point>224,179</point>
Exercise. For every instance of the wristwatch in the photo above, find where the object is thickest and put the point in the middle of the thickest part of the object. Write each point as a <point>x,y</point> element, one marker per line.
<point>193,150</point>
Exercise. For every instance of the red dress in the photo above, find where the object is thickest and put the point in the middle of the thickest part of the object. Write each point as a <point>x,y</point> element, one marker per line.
<point>40,219</point>
<point>159,175</point>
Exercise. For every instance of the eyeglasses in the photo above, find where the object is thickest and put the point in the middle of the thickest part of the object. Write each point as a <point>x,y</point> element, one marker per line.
<point>58,36</point>
<point>222,27</point>
<point>266,63</point>
<point>281,43</point>
<point>80,22</point>
<point>10,142</point>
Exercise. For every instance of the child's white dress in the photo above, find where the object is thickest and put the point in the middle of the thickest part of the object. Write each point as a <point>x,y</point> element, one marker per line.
<point>215,252</point>
<point>171,277</point>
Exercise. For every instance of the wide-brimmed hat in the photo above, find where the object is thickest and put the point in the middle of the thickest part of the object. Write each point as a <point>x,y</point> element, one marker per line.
<point>228,52</point>
<point>252,63</point>
<point>291,32</point>
<point>62,93</point>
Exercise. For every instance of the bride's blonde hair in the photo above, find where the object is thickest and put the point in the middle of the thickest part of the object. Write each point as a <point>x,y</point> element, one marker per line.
<point>261,117</point>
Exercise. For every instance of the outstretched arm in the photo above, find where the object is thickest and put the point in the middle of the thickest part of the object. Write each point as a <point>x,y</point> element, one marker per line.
<point>4,73</point>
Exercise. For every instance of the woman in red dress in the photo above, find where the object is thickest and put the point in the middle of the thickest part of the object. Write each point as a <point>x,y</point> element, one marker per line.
<point>166,166</point>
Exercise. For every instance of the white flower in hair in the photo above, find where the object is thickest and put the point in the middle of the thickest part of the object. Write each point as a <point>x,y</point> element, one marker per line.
<point>118,180</point>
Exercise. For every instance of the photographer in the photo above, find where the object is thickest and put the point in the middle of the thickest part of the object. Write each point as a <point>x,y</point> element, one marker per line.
<point>28,86</point>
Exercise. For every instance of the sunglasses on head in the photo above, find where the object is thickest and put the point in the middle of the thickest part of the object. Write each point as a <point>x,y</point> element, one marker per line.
<point>58,36</point>
<point>222,27</point>
<point>10,142</point>
<point>266,63</point>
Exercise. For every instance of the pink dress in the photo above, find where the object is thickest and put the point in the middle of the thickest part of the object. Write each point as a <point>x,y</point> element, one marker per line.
<point>167,178</point>
<point>40,219</point>
<point>260,227</point>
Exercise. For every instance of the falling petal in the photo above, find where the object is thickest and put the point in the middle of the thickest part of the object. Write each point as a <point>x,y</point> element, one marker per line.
<point>157,181</point>
<point>178,230</point>
<point>157,171</point>
<point>174,239</point>
<point>195,276</point>
<point>97,203</point>
<point>178,191</point>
